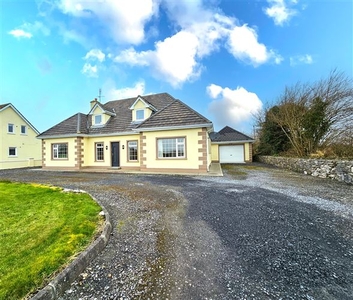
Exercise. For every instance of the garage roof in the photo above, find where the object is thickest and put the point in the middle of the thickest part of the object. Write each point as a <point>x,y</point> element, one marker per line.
<point>228,134</point>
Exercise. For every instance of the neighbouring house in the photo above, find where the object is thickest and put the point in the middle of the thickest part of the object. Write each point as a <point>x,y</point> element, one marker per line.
<point>19,147</point>
<point>231,146</point>
<point>156,133</point>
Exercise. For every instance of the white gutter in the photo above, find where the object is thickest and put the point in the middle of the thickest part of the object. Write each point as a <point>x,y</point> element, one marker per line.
<point>173,127</point>
<point>87,135</point>
<point>233,142</point>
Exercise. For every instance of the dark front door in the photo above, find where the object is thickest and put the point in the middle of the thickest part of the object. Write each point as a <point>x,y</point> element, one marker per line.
<point>115,154</point>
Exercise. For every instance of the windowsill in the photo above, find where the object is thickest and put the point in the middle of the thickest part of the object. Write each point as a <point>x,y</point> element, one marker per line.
<point>10,133</point>
<point>172,158</point>
<point>12,156</point>
<point>132,161</point>
<point>61,159</point>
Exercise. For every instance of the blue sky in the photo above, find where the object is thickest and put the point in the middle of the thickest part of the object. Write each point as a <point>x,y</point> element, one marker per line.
<point>226,59</point>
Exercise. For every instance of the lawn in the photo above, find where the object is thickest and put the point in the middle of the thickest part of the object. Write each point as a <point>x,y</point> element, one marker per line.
<point>41,230</point>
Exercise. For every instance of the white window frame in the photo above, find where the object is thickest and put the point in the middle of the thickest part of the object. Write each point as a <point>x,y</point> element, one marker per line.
<point>56,148</point>
<point>12,126</point>
<point>99,149</point>
<point>13,148</point>
<point>132,144</point>
<point>137,114</point>
<point>173,144</point>
<point>25,129</point>
<point>100,120</point>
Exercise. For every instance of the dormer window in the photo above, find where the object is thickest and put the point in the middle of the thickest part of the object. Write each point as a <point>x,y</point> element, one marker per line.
<point>140,115</point>
<point>98,120</point>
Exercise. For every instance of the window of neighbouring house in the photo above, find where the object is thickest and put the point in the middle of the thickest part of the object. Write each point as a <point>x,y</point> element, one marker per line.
<point>98,120</point>
<point>23,129</point>
<point>99,151</point>
<point>12,151</point>
<point>132,150</point>
<point>140,115</point>
<point>11,128</point>
<point>171,147</point>
<point>60,151</point>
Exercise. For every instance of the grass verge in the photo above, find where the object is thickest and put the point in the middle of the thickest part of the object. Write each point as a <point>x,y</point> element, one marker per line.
<point>41,229</point>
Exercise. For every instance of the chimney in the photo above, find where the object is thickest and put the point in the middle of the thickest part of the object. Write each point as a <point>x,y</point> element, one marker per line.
<point>93,102</point>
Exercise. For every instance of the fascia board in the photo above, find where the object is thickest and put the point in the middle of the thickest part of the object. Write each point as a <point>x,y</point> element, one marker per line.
<point>173,127</point>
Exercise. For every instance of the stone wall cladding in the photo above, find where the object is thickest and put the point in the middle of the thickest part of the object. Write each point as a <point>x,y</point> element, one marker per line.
<point>341,170</point>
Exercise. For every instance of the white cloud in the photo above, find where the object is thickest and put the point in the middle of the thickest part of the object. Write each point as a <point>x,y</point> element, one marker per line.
<point>279,11</point>
<point>28,30</point>
<point>125,22</point>
<point>244,45</point>
<point>89,70</point>
<point>301,59</point>
<point>95,54</point>
<point>137,89</point>
<point>20,33</point>
<point>231,107</point>
<point>173,60</point>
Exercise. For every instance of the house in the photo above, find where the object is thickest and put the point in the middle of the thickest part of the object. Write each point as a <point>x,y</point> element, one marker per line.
<point>156,133</point>
<point>19,147</point>
<point>231,146</point>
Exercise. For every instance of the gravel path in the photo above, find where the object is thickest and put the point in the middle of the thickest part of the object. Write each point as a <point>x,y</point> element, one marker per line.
<point>256,233</point>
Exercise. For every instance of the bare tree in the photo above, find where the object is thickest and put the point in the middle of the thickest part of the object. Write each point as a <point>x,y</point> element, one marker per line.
<point>315,114</point>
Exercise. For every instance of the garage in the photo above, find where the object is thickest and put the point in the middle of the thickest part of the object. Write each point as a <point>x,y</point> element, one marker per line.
<point>231,154</point>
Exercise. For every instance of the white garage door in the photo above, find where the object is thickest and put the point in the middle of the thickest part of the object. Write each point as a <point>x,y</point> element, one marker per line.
<point>231,154</point>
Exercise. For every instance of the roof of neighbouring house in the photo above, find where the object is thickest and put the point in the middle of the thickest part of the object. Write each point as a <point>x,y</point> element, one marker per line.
<point>228,134</point>
<point>170,113</point>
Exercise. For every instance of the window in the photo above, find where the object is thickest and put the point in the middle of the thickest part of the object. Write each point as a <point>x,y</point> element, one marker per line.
<point>11,128</point>
<point>140,115</point>
<point>132,150</point>
<point>12,151</point>
<point>99,151</point>
<point>98,119</point>
<point>23,129</point>
<point>60,151</point>
<point>174,147</point>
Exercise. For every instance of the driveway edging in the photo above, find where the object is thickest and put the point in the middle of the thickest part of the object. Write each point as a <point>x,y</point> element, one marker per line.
<point>64,279</point>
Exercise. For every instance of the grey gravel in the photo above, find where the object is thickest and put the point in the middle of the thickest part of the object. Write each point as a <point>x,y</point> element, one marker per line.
<point>263,234</point>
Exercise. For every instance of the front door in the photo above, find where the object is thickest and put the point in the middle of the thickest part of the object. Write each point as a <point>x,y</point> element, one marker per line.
<point>115,154</point>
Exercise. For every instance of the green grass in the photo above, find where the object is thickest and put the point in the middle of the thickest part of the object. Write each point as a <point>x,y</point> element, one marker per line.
<point>41,230</point>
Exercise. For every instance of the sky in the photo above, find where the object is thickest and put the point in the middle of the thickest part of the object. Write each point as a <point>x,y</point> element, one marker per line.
<point>227,59</point>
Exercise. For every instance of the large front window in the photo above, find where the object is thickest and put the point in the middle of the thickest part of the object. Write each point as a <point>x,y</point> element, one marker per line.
<point>132,150</point>
<point>99,151</point>
<point>60,151</point>
<point>174,147</point>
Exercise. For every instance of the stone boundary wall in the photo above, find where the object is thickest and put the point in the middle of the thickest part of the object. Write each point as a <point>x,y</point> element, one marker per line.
<point>341,170</point>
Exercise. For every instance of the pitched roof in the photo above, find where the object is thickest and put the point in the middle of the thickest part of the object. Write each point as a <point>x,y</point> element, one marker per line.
<point>5,106</point>
<point>228,134</point>
<point>175,114</point>
<point>170,112</point>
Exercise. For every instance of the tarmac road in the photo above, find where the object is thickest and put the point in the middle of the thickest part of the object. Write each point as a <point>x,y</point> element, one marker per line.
<point>257,233</point>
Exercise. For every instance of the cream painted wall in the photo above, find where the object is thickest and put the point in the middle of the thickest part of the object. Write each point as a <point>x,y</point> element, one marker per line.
<point>214,152</point>
<point>28,146</point>
<point>140,105</point>
<point>247,151</point>
<point>89,151</point>
<point>69,163</point>
<point>192,153</point>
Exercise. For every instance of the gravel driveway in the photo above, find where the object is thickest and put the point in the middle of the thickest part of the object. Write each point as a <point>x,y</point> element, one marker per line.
<point>256,233</point>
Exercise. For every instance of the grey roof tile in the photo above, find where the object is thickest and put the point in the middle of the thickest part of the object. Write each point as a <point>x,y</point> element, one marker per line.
<point>171,112</point>
<point>228,134</point>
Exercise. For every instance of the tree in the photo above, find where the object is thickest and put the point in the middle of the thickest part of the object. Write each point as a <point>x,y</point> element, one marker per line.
<point>272,139</point>
<point>314,114</point>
